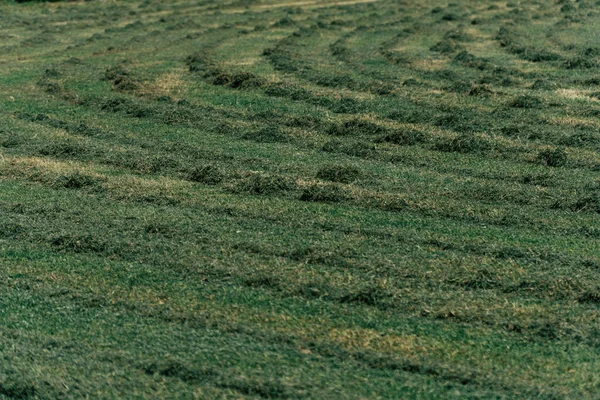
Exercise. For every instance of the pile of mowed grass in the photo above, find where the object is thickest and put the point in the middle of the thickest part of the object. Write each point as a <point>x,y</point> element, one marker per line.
<point>553,157</point>
<point>121,78</point>
<point>339,173</point>
<point>263,184</point>
<point>465,144</point>
<point>403,137</point>
<point>327,193</point>
<point>208,174</point>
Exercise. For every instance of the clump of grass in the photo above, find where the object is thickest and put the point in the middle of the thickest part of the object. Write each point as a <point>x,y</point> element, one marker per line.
<point>538,180</point>
<point>76,180</point>
<point>371,296</point>
<point>11,141</point>
<point>592,297</point>
<point>593,81</point>
<point>63,149</point>
<point>116,104</point>
<point>270,282</point>
<point>412,82</point>
<point>381,88</point>
<point>14,386</point>
<point>465,144</point>
<point>263,184</point>
<point>165,99</point>
<point>207,174</point>
<point>51,87</point>
<point>317,255</point>
<point>192,36</point>
<point>198,62</point>
<point>281,89</point>
<point>335,81</point>
<point>533,54</point>
<point>389,203</point>
<point>175,369</point>
<point>333,146</point>
<point>544,84</point>
<point>581,62</point>
<point>348,105</point>
<point>79,243</point>
<point>283,22</point>
<point>114,72</point>
<point>553,157</point>
<point>157,228</point>
<point>456,84</point>
<point>589,203</point>
<point>329,193</point>
<point>73,61</point>
<point>526,101</point>
<point>355,148</point>
<point>469,60</point>
<point>481,90</point>
<point>359,149</point>
<point>458,35</point>
<point>282,59</point>
<point>517,130</point>
<point>312,290</point>
<point>10,230</point>
<point>446,47</point>
<point>51,73</point>
<point>595,95</point>
<point>403,137</point>
<point>478,280</point>
<point>157,199</point>
<point>302,121</point>
<point>268,134</point>
<point>568,8</point>
<point>241,80</point>
<point>450,17</point>
<point>339,173</point>
<point>581,139</point>
<point>121,79</point>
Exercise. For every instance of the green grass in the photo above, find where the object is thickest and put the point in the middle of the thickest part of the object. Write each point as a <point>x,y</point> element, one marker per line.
<point>267,199</point>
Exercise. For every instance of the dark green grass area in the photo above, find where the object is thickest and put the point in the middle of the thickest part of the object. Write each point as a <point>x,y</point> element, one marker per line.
<point>267,199</point>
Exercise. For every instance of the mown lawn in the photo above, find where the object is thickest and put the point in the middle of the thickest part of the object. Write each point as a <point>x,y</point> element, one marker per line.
<point>316,199</point>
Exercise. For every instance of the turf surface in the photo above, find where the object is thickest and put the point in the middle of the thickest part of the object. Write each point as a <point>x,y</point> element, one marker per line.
<point>313,199</point>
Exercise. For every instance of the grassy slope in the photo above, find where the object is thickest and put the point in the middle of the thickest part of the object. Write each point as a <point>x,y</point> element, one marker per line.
<point>268,199</point>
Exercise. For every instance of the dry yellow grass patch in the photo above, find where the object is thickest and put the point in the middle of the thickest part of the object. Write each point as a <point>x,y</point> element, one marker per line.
<point>574,122</point>
<point>476,32</point>
<point>481,47</point>
<point>303,4</point>
<point>243,61</point>
<point>124,185</point>
<point>573,94</point>
<point>25,164</point>
<point>373,340</point>
<point>430,64</point>
<point>169,84</point>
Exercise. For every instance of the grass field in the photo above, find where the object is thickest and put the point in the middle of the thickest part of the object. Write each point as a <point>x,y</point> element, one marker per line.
<point>299,199</point>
